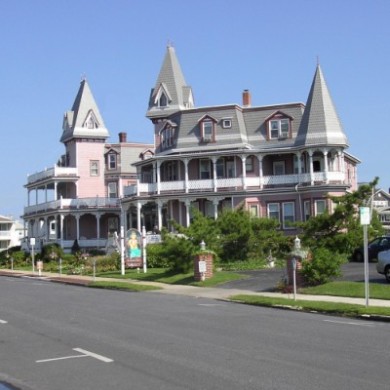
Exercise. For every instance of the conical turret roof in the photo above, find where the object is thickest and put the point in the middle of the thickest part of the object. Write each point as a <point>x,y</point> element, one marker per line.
<point>84,119</point>
<point>320,123</point>
<point>170,84</point>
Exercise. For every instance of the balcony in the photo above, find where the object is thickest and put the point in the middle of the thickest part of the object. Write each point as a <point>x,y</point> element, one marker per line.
<point>232,184</point>
<point>53,172</point>
<point>73,204</point>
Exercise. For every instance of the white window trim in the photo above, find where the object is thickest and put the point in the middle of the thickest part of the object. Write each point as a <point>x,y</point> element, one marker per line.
<point>268,210</point>
<point>286,225</point>
<point>316,202</point>
<point>281,134</point>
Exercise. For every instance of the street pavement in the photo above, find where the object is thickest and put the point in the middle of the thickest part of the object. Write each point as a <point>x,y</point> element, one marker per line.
<point>260,282</point>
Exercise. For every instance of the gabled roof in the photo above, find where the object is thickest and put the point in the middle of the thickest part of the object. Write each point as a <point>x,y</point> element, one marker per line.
<point>320,123</point>
<point>84,119</point>
<point>171,82</point>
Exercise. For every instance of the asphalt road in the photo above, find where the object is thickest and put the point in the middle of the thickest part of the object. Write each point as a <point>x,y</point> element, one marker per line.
<point>57,337</point>
<point>267,279</point>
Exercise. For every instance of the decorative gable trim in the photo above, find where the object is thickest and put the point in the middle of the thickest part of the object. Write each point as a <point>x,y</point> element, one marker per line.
<point>162,97</point>
<point>146,154</point>
<point>91,121</point>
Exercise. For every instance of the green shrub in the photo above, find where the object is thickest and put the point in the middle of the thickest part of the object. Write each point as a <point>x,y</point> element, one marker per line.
<point>155,256</point>
<point>323,266</point>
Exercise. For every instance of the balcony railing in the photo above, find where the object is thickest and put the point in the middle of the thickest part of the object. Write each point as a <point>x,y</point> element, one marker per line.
<point>52,172</point>
<point>234,183</point>
<point>74,204</point>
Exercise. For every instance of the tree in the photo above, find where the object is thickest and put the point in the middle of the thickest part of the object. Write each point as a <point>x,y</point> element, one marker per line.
<point>341,231</point>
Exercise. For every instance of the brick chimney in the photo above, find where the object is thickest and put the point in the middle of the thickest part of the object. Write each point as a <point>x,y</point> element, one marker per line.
<point>122,137</point>
<point>246,98</point>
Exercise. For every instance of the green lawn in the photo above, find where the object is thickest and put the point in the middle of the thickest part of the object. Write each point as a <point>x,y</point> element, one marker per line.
<point>161,275</point>
<point>334,308</point>
<point>349,289</point>
<point>114,285</point>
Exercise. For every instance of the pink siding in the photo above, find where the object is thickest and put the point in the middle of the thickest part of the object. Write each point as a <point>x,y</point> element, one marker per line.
<point>90,186</point>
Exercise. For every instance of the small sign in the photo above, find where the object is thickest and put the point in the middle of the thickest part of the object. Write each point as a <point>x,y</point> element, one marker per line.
<point>133,251</point>
<point>202,266</point>
<point>365,215</point>
<point>32,241</point>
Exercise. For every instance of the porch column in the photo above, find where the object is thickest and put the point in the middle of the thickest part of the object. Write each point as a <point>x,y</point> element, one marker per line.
<point>311,167</point>
<point>185,161</point>
<point>97,225</point>
<point>187,203</point>
<point>214,161</point>
<point>159,162</point>
<point>260,160</point>
<point>159,213</point>
<point>139,207</point>
<point>326,166</point>
<point>243,160</point>
<point>46,228</point>
<point>77,216</point>
<point>215,204</point>
<point>62,231</point>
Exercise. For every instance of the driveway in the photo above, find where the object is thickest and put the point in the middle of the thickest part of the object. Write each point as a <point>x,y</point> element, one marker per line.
<point>267,279</point>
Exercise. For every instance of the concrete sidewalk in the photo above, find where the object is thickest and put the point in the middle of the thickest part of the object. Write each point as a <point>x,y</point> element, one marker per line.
<point>197,292</point>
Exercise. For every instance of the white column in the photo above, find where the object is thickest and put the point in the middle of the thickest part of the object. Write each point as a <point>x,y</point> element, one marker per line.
<point>187,203</point>
<point>159,214</point>
<point>243,159</point>
<point>260,160</point>
<point>311,167</point>
<point>77,216</point>
<point>139,206</point>
<point>159,162</point>
<point>61,230</point>
<point>98,226</point>
<point>186,174</point>
<point>55,197</point>
<point>215,204</point>
<point>326,166</point>
<point>214,162</point>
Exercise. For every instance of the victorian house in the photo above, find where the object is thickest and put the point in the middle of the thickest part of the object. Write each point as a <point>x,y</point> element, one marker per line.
<point>79,197</point>
<point>278,161</point>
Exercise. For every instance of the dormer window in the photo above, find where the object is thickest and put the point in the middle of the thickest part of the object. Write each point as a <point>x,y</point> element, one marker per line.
<point>278,126</point>
<point>167,137</point>
<point>207,131</point>
<point>163,101</point>
<point>90,121</point>
<point>111,161</point>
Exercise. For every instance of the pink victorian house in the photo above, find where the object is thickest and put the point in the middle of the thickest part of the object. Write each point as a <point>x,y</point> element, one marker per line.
<point>79,197</point>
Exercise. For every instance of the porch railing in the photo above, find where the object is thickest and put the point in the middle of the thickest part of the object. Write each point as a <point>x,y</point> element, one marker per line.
<point>52,172</point>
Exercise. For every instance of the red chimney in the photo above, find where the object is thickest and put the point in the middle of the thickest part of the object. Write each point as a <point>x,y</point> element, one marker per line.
<point>122,137</point>
<point>246,98</point>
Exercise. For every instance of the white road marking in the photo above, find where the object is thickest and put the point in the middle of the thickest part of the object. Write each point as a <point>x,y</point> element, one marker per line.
<point>209,304</point>
<point>3,322</point>
<point>94,355</point>
<point>60,358</point>
<point>84,354</point>
<point>349,323</point>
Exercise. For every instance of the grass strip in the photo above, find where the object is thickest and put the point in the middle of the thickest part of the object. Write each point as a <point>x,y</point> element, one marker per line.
<point>342,309</point>
<point>122,286</point>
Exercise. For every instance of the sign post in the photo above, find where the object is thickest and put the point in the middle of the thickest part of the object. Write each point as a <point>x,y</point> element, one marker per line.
<point>365,221</point>
<point>32,243</point>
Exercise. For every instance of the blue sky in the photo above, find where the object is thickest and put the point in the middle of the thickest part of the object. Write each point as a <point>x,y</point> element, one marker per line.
<point>224,47</point>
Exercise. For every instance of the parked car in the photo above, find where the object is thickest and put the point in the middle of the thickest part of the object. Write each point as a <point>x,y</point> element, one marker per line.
<point>375,246</point>
<point>383,265</point>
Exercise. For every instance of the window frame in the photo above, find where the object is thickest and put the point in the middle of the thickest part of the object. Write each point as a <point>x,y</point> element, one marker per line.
<point>112,161</point>
<point>249,164</point>
<point>306,210</point>
<point>112,191</point>
<point>94,168</point>
<point>317,202</point>
<point>205,163</point>
<point>226,123</point>
<point>287,222</point>
<point>270,213</point>
<point>279,128</point>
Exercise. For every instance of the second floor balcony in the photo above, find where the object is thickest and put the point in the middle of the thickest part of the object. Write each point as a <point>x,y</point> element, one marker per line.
<point>73,204</point>
<point>235,184</point>
<point>52,173</point>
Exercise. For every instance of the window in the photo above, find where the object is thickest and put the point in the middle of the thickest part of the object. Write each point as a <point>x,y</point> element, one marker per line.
<point>162,101</point>
<point>253,210</point>
<point>167,136</point>
<point>288,215</point>
<point>279,168</point>
<point>90,121</point>
<point>249,164</point>
<point>112,190</point>
<point>112,161</point>
<point>207,130</point>
<point>220,168</point>
<point>306,209</point>
<point>273,211</point>
<point>319,207</point>
<point>205,171</point>
<point>226,123</point>
<point>279,128</point>
<point>296,168</point>
<point>94,167</point>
